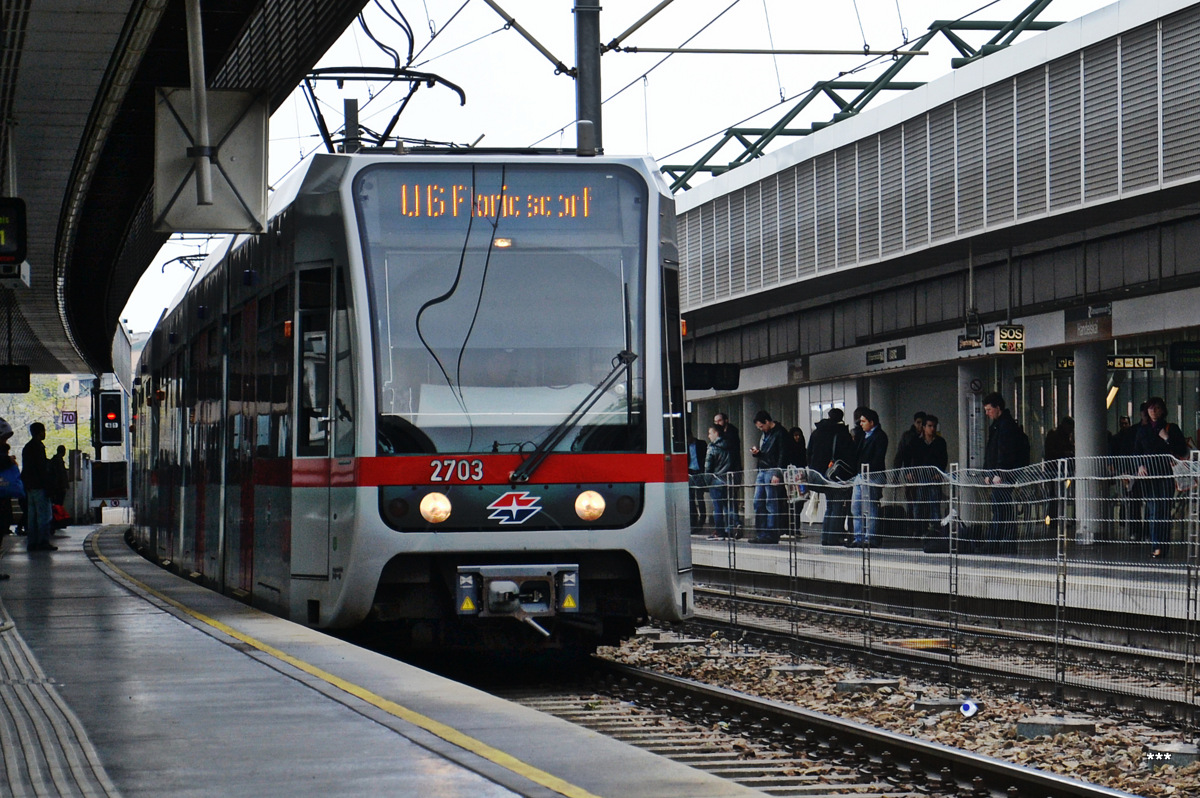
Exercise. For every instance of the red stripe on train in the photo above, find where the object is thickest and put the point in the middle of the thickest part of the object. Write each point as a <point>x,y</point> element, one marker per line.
<point>490,469</point>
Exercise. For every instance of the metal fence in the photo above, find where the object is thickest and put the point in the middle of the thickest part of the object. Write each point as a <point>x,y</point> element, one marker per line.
<point>1080,573</point>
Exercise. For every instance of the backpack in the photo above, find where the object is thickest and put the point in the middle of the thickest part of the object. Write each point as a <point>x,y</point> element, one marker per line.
<point>1022,446</point>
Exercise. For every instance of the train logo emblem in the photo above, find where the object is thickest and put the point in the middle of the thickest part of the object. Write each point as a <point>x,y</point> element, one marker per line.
<point>514,507</point>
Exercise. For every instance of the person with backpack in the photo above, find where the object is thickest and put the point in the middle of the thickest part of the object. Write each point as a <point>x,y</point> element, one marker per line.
<point>1007,449</point>
<point>829,445</point>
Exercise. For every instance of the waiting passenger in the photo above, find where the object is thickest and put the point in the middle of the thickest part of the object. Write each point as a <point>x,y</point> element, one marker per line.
<point>1005,451</point>
<point>930,460</point>
<point>771,454</point>
<point>830,450</point>
<point>1157,443</point>
<point>717,464</point>
<point>871,452</point>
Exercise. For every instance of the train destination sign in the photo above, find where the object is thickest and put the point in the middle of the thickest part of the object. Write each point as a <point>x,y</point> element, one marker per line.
<point>434,200</point>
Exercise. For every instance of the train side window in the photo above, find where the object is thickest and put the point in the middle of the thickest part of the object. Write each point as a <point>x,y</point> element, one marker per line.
<point>344,370</point>
<point>312,339</point>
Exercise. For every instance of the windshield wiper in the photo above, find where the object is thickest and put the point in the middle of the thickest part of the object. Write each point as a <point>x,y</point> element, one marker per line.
<point>623,360</point>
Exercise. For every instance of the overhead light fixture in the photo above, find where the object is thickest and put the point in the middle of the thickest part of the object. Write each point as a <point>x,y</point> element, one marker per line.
<point>973,329</point>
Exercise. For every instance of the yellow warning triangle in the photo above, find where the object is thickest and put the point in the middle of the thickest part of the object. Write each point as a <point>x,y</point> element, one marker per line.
<point>467,605</point>
<point>569,602</point>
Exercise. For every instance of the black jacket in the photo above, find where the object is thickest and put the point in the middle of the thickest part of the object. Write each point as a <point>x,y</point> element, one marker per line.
<point>773,448</point>
<point>830,440</point>
<point>717,461</point>
<point>733,443</point>
<point>1005,444</point>
<point>905,451</point>
<point>872,451</point>
<point>35,468</point>
<point>930,453</point>
<point>1150,442</point>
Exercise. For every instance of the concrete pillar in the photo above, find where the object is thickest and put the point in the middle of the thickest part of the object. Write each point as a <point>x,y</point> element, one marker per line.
<point>751,404</point>
<point>972,437</point>
<point>972,425</point>
<point>1091,438</point>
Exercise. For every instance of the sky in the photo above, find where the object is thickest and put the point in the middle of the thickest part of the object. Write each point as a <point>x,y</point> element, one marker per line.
<point>671,107</point>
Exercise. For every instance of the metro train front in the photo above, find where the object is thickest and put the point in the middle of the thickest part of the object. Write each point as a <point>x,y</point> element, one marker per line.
<point>487,413</point>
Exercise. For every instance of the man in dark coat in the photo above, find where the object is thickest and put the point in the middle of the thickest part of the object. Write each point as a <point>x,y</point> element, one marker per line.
<point>1005,451</point>
<point>35,475</point>
<point>830,441</point>
<point>716,471</point>
<point>733,444</point>
<point>930,460</point>
<point>771,454</point>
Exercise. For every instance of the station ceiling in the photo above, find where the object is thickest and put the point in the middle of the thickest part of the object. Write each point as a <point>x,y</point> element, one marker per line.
<point>77,144</point>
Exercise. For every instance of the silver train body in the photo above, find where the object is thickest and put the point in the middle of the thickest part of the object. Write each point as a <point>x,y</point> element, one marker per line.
<point>442,392</point>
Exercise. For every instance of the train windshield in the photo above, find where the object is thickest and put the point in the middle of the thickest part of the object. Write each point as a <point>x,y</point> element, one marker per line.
<point>502,296</point>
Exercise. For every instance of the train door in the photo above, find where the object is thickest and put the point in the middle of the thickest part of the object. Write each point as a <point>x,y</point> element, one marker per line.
<point>313,424</point>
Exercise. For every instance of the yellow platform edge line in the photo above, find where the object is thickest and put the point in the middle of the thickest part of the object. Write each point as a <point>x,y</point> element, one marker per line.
<point>437,728</point>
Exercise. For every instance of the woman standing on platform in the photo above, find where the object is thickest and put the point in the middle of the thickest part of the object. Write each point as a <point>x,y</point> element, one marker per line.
<point>1157,443</point>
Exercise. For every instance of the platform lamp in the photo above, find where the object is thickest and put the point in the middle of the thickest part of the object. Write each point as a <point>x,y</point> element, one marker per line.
<point>973,328</point>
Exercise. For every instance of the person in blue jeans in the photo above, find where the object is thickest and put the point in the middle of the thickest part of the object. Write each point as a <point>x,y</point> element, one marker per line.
<point>771,454</point>
<point>868,489</point>
<point>716,473</point>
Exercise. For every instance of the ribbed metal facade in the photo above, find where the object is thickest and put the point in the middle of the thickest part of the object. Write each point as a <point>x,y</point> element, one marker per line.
<point>1117,118</point>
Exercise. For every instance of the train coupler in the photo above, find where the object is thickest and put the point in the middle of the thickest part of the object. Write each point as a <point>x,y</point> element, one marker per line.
<point>523,592</point>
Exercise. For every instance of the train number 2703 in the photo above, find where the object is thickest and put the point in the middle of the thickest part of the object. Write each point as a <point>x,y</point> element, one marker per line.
<point>458,470</point>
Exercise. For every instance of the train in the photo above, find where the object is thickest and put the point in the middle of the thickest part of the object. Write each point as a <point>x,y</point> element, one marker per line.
<point>441,394</point>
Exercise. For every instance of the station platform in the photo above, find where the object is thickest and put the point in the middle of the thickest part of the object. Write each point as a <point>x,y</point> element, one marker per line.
<point>1154,589</point>
<point>118,678</point>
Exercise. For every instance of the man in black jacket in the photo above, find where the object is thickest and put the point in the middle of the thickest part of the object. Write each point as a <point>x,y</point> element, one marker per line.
<point>1006,450</point>
<point>733,443</point>
<point>829,443</point>
<point>35,475</point>
<point>771,454</point>
<point>717,464</point>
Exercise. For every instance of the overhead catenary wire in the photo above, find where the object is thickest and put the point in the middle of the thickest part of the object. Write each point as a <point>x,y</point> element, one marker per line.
<point>634,82</point>
<point>774,57</point>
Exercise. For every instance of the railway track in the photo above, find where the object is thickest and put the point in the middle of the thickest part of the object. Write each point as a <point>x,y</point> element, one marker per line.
<point>780,749</point>
<point>1150,685</point>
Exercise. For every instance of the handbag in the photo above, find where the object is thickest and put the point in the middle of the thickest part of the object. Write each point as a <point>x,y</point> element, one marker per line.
<point>837,471</point>
<point>814,509</point>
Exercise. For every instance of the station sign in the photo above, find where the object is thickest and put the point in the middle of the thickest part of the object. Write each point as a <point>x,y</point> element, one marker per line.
<point>1010,339</point>
<point>1091,323</point>
<point>888,354</point>
<point>1184,356</point>
<point>68,418</point>
<point>1114,362</point>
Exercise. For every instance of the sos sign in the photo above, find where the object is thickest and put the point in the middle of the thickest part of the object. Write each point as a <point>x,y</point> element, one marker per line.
<point>1010,339</point>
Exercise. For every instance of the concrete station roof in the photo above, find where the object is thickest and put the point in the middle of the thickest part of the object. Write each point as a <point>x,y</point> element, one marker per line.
<point>77,144</point>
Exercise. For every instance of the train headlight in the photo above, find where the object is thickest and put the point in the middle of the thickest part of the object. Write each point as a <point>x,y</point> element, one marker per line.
<point>589,505</point>
<point>435,508</point>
